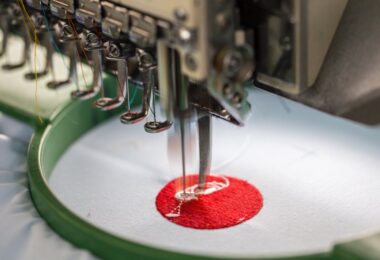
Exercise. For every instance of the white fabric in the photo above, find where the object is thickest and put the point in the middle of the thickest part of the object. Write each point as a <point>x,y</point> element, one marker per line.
<point>319,175</point>
<point>23,234</point>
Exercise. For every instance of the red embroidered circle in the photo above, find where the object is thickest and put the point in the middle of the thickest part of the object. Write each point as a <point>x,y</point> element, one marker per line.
<point>230,206</point>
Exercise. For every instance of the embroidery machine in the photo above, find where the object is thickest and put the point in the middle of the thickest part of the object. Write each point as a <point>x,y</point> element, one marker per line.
<point>197,56</point>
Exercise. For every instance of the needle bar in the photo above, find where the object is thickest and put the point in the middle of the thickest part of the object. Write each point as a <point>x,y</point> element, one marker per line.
<point>204,133</point>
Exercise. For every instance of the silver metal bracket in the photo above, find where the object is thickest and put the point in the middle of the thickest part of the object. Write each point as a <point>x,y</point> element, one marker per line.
<point>68,36</point>
<point>118,53</point>
<point>147,70</point>
<point>94,46</point>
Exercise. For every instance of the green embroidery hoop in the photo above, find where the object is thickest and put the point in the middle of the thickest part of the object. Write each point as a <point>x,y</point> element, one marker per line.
<point>51,139</point>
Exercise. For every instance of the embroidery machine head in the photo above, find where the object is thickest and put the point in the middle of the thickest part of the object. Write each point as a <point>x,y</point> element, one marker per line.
<point>198,57</point>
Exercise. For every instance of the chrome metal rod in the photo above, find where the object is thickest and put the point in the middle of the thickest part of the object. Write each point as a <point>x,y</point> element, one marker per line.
<point>205,141</point>
<point>182,104</point>
<point>183,153</point>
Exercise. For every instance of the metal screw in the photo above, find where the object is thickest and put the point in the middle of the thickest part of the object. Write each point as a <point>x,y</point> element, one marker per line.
<point>146,60</point>
<point>114,51</point>
<point>67,30</point>
<point>92,39</point>
<point>180,14</point>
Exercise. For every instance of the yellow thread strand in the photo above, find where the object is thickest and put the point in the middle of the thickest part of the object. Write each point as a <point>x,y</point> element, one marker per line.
<point>36,42</point>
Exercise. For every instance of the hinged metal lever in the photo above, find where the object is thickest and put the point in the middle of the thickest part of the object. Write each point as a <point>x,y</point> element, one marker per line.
<point>94,45</point>
<point>4,27</point>
<point>119,53</point>
<point>16,16</point>
<point>147,68</point>
<point>68,36</point>
<point>43,32</point>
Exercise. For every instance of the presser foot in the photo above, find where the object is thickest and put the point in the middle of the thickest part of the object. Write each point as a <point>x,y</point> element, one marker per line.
<point>106,103</point>
<point>132,118</point>
<point>13,66</point>
<point>33,75</point>
<point>83,94</point>
<point>57,84</point>
<point>154,127</point>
